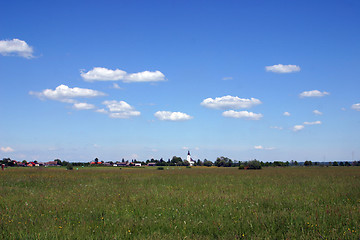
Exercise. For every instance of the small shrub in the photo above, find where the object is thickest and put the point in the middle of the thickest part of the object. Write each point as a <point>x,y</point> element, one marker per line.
<point>241,167</point>
<point>160,168</point>
<point>69,166</point>
<point>188,167</point>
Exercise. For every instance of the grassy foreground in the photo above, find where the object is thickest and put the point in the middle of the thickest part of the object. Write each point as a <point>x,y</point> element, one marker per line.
<point>179,203</point>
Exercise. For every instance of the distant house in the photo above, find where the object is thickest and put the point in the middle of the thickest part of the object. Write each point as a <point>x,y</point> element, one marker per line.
<point>51,163</point>
<point>32,164</point>
<point>123,164</point>
<point>151,164</point>
<point>137,164</point>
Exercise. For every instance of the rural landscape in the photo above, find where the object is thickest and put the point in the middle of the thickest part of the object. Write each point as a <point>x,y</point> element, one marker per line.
<point>173,202</point>
<point>165,119</point>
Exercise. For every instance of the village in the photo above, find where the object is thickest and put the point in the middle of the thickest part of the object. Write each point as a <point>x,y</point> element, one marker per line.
<point>175,161</point>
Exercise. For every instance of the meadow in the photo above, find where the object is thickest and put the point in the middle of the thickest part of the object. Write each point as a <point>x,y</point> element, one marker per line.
<point>180,203</point>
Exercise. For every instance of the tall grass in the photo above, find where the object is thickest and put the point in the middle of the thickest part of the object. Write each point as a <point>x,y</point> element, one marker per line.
<point>178,203</point>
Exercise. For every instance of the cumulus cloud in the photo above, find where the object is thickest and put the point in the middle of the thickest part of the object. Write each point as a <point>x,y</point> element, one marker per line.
<point>312,123</point>
<point>298,128</point>
<point>63,93</point>
<point>286,114</point>
<point>172,116</point>
<point>317,112</point>
<point>277,127</point>
<point>16,47</point>
<point>104,74</point>
<point>83,106</point>
<point>356,106</point>
<point>242,114</point>
<point>313,93</point>
<point>7,149</point>
<point>120,109</point>
<point>282,68</point>
<point>230,102</point>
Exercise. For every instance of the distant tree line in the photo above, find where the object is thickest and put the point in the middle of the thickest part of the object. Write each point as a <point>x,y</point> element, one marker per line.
<point>177,161</point>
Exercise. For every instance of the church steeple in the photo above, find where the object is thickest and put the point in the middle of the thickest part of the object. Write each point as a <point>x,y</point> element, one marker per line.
<point>188,153</point>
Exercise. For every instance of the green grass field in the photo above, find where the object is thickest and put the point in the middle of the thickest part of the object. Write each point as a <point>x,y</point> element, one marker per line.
<point>179,203</point>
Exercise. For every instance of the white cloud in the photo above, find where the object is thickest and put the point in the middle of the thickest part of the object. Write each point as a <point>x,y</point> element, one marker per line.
<point>15,47</point>
<point>63,93</point>
<point>172,116</point>
<point>185,148</point>
<point>301,127</point>
<point>312,123</point>
<point>227,78</point>
<point>356,106</point>
<point>298,128</point>
<point>120,109</point>
<point>104,74</point>
<point>101,111</point>
<point>286,114</point>
<point>259,147</point>
<point>83,106</point>
<point>242,114</point>
<point>124,114</point>
<point>230,102</point>
<point>317,112</point>
<point>276,127</point>
<point>7,149</point>
<point>145,76</point>
<point>116,86</point>
<point>282,68</point>
<point>313,93</point>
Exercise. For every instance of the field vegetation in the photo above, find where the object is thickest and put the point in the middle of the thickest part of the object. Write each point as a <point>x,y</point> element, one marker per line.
<point>180,202</point>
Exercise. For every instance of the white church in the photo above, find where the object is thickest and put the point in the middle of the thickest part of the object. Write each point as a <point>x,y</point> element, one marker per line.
<point>189,159</point>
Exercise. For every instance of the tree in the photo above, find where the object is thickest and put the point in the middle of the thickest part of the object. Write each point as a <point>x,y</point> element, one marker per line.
<point>207,163</point>
<point>223,162</point>
<point>307,163</point>
<point>335,164</point>
<point>176,161</point>
<point>58,161</point>
<point>251,165</point>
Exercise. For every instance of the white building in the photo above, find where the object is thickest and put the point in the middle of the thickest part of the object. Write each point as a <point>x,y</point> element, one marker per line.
<point>189,159</point>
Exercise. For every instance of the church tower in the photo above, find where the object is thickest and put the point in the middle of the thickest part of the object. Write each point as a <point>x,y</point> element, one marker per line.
<point>188,158</point>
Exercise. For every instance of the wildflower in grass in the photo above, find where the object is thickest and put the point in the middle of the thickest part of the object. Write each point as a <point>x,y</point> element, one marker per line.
<point>60,227</point>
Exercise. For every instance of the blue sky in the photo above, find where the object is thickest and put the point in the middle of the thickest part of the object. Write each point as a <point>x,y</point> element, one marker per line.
<point>272,80</point>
